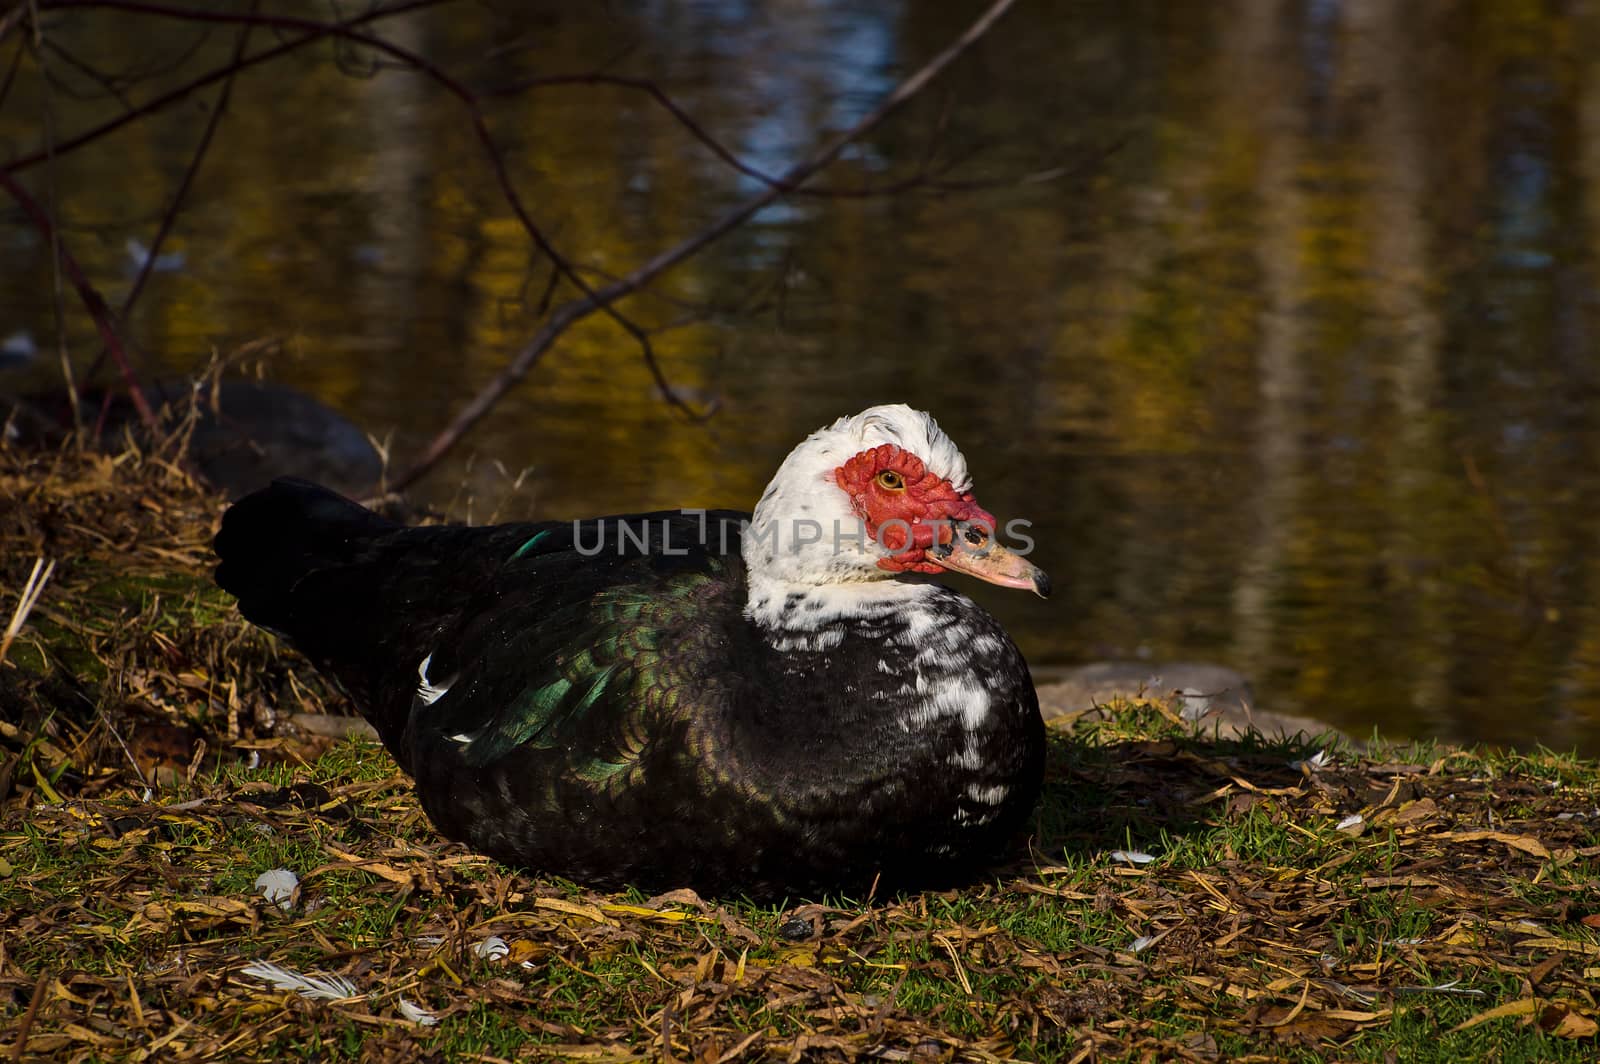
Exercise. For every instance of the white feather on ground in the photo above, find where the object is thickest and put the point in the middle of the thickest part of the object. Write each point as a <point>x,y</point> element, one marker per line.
<point>416,1013</point>
<point>1134,857</point>
<point>493,948</point>
<point>277,885</point>
<point>316,987</point>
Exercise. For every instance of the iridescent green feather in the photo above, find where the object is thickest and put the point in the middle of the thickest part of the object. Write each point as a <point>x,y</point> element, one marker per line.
<point>607,659</point>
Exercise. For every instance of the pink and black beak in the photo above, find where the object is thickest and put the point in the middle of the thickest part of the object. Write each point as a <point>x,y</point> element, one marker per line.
<point>974,550</point>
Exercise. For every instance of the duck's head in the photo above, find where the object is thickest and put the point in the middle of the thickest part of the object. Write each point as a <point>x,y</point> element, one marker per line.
<point>875,496</point>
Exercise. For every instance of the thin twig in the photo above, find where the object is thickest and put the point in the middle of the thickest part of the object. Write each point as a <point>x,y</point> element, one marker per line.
<point>20,1047</point>
<point>171,216</point>
<point>92,301</point>
<point>52,211</point>
<point>11,71</point>
<point>919,178</point>
<point>128,753</point>
<point>568,314</point>
<point>12,18</point>
<point>30,597</point>
<point>108,86</point>
<point>661,97</point>
<point>167,219</point>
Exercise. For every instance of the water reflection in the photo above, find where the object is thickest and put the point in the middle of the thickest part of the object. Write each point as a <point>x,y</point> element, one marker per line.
<point>1300,379</point>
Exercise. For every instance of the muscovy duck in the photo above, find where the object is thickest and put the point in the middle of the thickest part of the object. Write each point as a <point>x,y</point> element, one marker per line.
<point>773,705</point>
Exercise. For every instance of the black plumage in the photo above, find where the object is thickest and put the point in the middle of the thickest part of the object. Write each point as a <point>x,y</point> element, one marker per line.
<point>591,699</point>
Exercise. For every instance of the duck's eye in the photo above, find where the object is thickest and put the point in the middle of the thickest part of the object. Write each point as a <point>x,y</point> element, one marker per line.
<point>889,480</point>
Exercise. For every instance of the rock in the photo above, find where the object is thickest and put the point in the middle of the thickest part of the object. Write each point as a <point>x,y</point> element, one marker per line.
<point>263,431</point>
<point>245,435</point>
<point>1211,695</point>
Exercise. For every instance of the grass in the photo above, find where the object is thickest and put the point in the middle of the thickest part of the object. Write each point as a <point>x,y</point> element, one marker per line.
<point>1455,920</point>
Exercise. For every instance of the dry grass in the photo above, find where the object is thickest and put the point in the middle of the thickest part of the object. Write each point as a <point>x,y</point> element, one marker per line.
<point>148,778</point>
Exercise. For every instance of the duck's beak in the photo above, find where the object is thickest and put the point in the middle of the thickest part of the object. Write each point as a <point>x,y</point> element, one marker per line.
<point>974,550</point>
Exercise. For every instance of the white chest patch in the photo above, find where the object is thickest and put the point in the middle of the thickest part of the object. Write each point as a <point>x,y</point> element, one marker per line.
<point>947,688</point>
<point>988,795</point>
<point>825,639</point>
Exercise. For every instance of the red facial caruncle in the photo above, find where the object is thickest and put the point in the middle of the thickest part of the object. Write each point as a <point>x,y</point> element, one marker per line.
<point>905,507</point>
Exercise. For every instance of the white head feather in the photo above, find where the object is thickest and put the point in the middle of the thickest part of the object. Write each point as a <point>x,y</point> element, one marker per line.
<point>805,534</point>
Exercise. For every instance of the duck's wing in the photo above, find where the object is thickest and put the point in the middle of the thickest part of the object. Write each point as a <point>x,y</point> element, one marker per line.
<point>573,721</point>
<point>588,656</point>
<point>550,635</point>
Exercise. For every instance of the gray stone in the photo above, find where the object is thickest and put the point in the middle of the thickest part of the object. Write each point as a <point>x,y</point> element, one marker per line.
<point>1213,696</point>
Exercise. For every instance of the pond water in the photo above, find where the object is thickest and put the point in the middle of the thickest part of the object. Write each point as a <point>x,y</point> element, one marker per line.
<point>1292,370</point>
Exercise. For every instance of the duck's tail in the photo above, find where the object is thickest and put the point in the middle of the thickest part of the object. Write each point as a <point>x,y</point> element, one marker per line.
<point>272,540</point>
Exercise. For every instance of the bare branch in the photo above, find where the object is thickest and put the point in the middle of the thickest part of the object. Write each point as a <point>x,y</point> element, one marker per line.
<point>36,43</point>
<point>566,315</point>
<point>167,99</point>
<point>461,92</point>
<point>167,220</point>
<point>13,18</point>
<point>91,298</point>
<point>662,98</point>
<point>11,71</point>
<point>107,86</point>
<point>170,217</point>
<point>918,179</point>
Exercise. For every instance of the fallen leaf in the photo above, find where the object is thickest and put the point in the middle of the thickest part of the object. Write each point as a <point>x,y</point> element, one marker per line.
<point>1562,1021</point>
<point>572,908</point>
<point>1413,812</point>
<point>1526,843</point>
<point>1563,944</point>
<point>1542,970</point>
<point>1523,1007</point>
<point>525,952</point>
